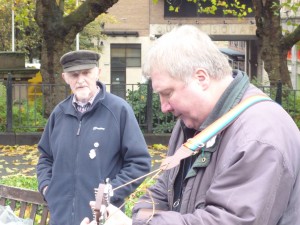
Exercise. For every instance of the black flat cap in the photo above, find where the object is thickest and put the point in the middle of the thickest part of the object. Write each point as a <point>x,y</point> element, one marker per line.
<point>79,60</point>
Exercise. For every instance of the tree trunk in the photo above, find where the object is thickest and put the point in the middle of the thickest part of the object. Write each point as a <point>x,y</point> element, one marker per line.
<point>58,34</point>
<point>55,89</point>
<point>271,41</point>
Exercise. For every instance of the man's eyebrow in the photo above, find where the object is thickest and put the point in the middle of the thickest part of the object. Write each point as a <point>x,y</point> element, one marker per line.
<point>80,71</point>
<point>157,91</point>
<point>73,72</point>
<point>163,91</point>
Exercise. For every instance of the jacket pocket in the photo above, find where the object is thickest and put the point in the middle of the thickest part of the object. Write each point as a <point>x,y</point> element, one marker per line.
<point>200,202</point>
<point>48,189</point>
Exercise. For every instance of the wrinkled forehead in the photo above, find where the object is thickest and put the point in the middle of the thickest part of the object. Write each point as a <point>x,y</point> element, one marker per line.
<point>163,81</point>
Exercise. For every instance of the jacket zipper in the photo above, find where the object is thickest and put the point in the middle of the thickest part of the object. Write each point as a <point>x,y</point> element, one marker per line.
<point>171,195</point>
<point>79,127</point>
<point>75,173</point>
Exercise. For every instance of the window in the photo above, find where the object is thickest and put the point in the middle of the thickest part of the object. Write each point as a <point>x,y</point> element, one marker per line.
<point>126,55</point>
<point>123,56</point>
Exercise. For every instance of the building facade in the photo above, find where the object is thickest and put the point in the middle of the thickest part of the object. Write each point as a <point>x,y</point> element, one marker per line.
<point>140,22</point>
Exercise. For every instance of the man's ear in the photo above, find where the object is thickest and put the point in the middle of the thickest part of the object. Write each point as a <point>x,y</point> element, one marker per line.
<point>63,75</point>
<point>99,72</point>
<point>202,78</point>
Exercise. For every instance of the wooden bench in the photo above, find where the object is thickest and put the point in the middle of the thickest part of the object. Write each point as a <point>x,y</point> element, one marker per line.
<point>28,204</point>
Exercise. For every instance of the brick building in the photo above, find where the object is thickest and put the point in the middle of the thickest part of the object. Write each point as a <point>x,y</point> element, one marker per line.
<point>142,21</point>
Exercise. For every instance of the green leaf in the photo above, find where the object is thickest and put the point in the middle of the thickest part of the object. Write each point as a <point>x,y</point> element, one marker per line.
<point>171,8</point>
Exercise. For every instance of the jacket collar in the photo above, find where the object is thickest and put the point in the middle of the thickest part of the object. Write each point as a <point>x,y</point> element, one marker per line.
<point>68,108</point>
<point>230,98</point>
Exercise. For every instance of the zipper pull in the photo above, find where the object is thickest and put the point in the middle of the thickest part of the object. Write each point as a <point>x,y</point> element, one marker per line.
<point>79,127</point>
<point>176,203</point>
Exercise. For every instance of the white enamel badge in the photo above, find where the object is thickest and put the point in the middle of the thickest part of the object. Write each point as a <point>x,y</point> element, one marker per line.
<point>92,153</point>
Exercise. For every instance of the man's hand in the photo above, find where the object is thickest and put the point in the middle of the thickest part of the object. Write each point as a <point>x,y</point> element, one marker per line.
<point>116,217</point>
<point>86,221</point>
<point>44,190</point>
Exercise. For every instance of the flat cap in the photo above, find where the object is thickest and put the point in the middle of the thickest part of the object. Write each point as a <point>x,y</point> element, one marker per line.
<point>79,60</point>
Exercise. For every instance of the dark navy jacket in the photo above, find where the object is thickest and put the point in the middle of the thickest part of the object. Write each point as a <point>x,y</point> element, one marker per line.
<point>66,164</point>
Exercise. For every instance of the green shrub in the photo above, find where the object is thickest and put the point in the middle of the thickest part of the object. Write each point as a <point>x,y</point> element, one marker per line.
<point>162,123</point>
<point>134,197</point>
<point>2,107</point>
<point>291,103</point>
<point>27,117</point>
<point>290,99</point>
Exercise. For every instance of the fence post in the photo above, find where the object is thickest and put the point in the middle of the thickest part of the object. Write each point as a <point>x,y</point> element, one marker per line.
<point>278,97</point>
<point>149,111</point>
<point>9,103</point>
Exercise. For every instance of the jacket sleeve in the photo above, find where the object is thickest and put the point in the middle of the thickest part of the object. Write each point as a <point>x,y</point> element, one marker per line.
<point>156,198</point>
<point>244,191</point>
<point>135,156</point>
<point>45,162</point>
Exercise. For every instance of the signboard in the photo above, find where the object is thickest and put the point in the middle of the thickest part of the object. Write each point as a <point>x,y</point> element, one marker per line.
<point>223,30</point>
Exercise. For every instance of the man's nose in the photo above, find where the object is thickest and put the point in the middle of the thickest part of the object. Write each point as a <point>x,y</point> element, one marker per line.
<point>80,77</point>
<point>165,106</point>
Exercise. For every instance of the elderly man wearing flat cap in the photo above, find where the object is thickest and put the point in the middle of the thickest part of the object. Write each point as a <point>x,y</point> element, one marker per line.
<point>90,136</point>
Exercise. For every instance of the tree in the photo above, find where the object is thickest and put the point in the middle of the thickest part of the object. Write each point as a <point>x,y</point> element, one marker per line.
<point>91,36</point>
<point>5,18</point>
<point>273,42</point>
<point>58,29</point>
<point>27,38</point>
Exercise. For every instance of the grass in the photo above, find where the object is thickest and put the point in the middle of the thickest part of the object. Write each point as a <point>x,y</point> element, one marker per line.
<point>27,182</point>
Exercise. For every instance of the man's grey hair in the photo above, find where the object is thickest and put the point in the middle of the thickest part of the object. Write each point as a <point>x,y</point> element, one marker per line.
<point>183,50</point>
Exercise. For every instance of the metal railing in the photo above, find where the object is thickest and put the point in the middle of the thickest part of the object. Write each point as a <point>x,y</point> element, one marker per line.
<point>288,98</point>
<point>25,104</point>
